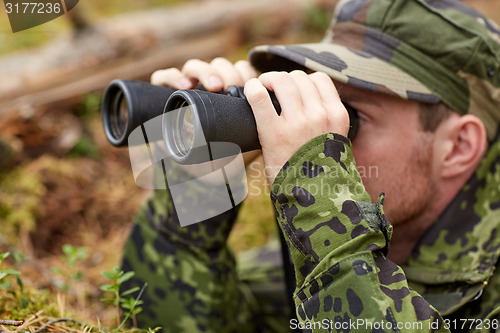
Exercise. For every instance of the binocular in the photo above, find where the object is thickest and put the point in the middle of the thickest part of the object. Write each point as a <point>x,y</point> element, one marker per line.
<point>192,119</point>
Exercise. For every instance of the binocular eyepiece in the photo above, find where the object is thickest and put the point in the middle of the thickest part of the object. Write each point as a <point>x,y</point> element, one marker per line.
<point>191,121</point>
<point>128,104</point>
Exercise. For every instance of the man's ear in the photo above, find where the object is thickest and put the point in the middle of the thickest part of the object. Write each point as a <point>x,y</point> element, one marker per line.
<point>465,146</point>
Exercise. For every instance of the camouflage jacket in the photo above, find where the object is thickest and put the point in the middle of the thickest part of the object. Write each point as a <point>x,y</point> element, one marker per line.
<point>338,244</point>
<point>339,240</point>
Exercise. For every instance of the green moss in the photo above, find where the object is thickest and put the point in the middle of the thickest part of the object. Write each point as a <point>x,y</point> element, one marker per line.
<point>84,147</point>
<point>21,193</point>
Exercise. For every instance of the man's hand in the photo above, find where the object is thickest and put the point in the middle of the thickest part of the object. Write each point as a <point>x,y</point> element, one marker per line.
<point>310,106</point>
<point>214,76</point>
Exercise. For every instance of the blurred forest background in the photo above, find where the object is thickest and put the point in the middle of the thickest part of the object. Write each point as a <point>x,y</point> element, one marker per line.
<point>67,197</point>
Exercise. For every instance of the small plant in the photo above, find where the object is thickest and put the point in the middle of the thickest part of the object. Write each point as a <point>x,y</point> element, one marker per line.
<point>131,305</point>
<point>7,285</point>
<point>154,330</point>
<point>71,256</point>
<point>84,147</point>
<point>89,107</point>
<point>4,273</point>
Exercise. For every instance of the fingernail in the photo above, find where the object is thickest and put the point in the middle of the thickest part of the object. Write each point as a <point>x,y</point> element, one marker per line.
<point>214,82</point>
<point>185,83</point>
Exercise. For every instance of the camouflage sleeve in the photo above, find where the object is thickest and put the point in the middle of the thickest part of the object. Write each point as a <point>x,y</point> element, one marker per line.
<point>338,241</point>
<point>189,272</point>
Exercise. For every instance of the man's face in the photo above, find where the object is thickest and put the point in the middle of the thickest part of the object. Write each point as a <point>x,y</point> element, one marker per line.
<point>392,152</point>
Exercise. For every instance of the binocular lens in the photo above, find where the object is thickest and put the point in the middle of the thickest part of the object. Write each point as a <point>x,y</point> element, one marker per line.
<point>195,119</point>
<point>128,104</point>
<point>184,128</point>
<point>119,115</point>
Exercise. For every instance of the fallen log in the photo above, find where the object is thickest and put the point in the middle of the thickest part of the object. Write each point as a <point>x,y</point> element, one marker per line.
<point>133,46</point>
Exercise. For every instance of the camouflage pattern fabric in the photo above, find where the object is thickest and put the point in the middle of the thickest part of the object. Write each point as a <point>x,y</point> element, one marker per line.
<point>338,244</point>
<point>424,50</point>
<point>193,282</point>
<point>339,240</point>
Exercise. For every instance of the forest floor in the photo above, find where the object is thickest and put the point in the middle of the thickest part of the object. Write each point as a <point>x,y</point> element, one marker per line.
<point>68,199</point>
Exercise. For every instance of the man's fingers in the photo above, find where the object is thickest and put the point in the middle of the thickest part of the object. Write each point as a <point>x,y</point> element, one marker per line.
<point>286,91</point>
<point>338,118</point>
<point>227,72</point>
<point>214,76</point>
<point>325,87</point>
<point>204,73</point>
<point>171,77</point>
<point>311,99</point>
<point>260,101</point>
<point>246,70</point>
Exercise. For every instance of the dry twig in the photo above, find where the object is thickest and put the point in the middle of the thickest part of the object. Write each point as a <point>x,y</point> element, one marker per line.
<point>55,321</point>
<point>11,322</point>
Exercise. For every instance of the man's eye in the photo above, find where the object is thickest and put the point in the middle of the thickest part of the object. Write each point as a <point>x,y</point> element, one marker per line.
<point>353,120</point>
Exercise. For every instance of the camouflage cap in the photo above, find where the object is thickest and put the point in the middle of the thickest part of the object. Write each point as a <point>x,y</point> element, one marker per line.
<point>424,50</point>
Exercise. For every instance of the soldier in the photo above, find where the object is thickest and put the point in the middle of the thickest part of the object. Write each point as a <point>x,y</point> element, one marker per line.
<point>424,80</point>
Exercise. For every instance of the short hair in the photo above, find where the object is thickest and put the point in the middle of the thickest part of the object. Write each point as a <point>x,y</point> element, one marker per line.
<point>432,115</point>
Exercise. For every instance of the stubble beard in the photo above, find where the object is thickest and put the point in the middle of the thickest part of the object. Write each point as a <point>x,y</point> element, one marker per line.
<point>413,190</point>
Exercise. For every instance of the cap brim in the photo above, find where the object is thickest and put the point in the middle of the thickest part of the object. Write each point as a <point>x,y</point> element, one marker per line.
<point>343,64</point>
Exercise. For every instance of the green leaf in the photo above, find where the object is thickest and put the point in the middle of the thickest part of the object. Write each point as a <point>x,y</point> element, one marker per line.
<point>107,300</point>
<point>129,291</point>
<point>69,249</point>
<point>4,255</point>
<point>125,304</point>
<point>81,253</point>
<point>73,254</point>
<point>24,302</point>
<point>106,287</point>
<point>19,283</point>
<point>154,330</point>
<point>78,276</point>
<point>11,272</point>
<point>2,275</point>
<point>127,276</point>
<point>131,304</point>
<point>64,287</point>
<point>110,287</point>
<point>84,147</point>
<point>57,270</point>
<point>109,275</point>
<point>5,285</point>
<point>18,256</point>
